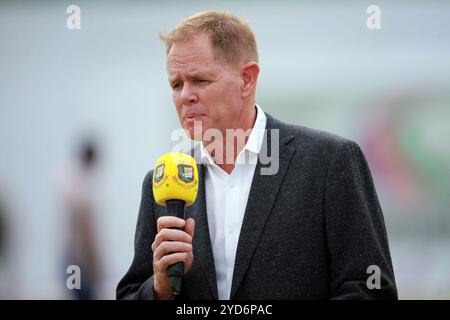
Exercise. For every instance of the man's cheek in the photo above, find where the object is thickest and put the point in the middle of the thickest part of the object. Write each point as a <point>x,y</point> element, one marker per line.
<point>178,109</point>
<point>176,100</point>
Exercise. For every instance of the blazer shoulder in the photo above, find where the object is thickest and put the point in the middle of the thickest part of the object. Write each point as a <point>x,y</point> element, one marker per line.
<point>314,138</point>
<point>321,137</point>
<point>148,178</point>
<point>147,188</point>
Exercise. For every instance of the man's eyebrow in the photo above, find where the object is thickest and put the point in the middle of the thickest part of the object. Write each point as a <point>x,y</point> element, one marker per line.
<point>173,79</point>
<point>193,75</point>
<point>201,74</point>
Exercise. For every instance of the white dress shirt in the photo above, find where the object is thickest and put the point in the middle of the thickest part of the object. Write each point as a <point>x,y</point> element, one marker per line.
<point>226,200</point>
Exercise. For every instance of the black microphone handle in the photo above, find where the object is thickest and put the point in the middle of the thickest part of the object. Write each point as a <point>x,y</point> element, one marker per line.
<point>176,208</point>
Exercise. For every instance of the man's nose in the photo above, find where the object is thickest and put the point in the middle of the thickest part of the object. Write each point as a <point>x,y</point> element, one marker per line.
<point>188,95</point>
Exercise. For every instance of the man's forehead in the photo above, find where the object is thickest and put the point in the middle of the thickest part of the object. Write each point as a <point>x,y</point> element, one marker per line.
<point>191,69</point>
<point>184,61</point>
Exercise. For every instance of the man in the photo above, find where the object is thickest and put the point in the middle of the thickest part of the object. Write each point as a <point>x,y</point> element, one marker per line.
<point>310,230</point>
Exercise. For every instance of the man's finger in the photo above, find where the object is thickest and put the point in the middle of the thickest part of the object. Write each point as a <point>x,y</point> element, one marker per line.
<point>169,222</point>
<point>171,235</point>
<point>168,260</point>
<point>169,247</point>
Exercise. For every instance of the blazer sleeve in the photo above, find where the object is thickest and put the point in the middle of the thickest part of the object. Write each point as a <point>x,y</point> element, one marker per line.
<point>138,281</point>
<point>355,230</point>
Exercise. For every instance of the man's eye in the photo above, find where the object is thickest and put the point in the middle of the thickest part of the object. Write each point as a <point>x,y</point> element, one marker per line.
<point>176,85</point>
<point>201,81</point>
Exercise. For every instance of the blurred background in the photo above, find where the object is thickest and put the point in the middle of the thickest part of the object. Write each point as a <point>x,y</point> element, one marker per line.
<point>85,113</point>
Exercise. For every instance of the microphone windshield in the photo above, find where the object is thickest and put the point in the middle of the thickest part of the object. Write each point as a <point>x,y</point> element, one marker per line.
<point>175,178</point>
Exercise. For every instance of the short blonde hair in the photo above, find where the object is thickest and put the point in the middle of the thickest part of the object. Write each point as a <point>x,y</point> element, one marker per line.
<point>231,37</point>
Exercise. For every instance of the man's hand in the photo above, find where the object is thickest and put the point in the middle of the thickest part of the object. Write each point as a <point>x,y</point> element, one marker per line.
<point>170,246</point>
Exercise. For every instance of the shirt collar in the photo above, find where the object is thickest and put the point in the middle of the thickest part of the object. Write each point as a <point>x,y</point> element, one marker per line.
<point>254,141</point>
<point>256,137</point>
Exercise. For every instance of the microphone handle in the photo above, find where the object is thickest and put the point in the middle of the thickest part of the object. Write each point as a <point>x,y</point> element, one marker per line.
<point>176,208</point>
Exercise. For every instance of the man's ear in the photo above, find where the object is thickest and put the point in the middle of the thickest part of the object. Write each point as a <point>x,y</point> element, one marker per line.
<point>249,73</point>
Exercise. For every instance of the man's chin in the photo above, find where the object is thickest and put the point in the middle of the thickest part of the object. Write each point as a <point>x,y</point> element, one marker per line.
<point>194,134</point>
<point>194,131</point>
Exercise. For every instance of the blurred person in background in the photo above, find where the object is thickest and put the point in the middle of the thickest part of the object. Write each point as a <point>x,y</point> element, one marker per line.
<point>2,232</point>
<point>78,192</point>
<point>10,281</point>
<point>3,247</point>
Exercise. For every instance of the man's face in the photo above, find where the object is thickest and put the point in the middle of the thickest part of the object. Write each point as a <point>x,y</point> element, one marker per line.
<point>204,89</point>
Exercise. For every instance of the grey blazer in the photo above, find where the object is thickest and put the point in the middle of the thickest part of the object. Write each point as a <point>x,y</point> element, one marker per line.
<point>310,231</point>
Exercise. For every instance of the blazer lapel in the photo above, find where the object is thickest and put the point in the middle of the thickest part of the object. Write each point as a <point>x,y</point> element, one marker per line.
<point>202,242</point>
<point>263,193</point>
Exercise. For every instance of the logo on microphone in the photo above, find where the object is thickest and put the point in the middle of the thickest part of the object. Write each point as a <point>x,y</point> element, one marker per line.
<point>186,173</point>
<point>159,173</point>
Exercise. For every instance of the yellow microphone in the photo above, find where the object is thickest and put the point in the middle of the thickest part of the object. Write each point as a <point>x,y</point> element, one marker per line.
<point>175,184</point>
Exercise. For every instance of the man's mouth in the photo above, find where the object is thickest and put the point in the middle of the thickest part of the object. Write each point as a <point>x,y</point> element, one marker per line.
<point>193,116</point>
